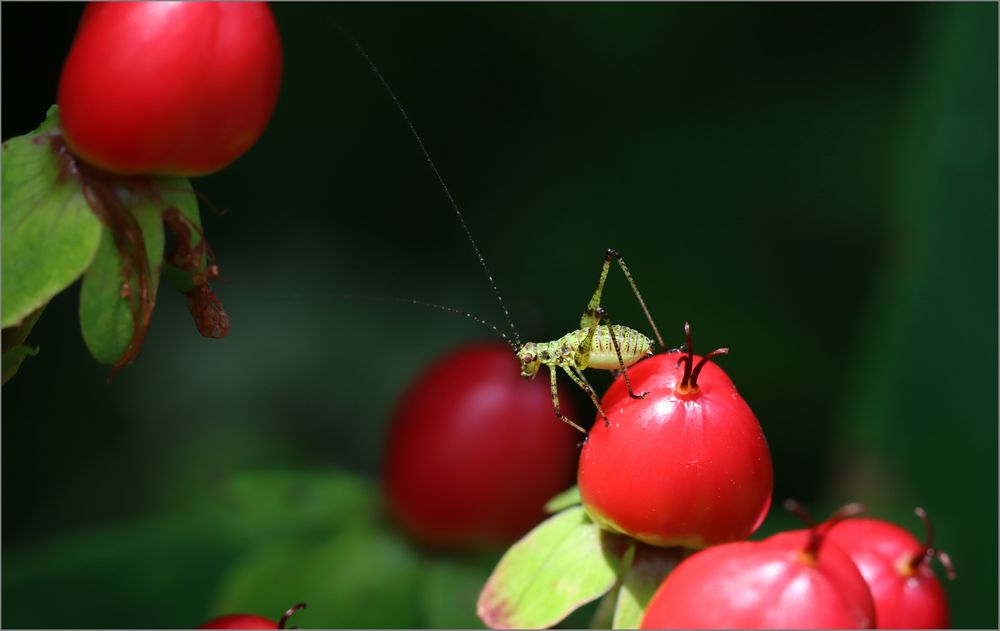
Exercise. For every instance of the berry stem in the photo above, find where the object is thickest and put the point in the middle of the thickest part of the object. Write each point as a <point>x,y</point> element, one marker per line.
<point>817,532</point>
<point>928,551</point>
<point>689,358</point>
<point>689,381</point>
<point>701,364</point>
<point>288,614</point>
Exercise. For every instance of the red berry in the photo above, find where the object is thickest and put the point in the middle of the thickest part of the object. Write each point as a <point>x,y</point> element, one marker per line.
<point>897,568</point>
<point>790,580</point>
<point>250,621</point>
<point>688,465</point>
<point>474,451</point>
<point>240,621</point>
<point>174,88</point>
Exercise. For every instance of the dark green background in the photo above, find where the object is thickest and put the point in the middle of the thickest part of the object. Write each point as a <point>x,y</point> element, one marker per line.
<point>814,186</point>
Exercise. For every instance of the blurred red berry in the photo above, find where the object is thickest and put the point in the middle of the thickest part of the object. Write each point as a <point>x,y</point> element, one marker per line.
<point>688,465</point>
<point>240,621</point>
<point>250,621</point>
<point>897,568</point>
<point>475,451</point>
<point>173,88</point>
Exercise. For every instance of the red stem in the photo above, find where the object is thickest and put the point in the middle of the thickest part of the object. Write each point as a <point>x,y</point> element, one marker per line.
<point>928,551</point>
<point>704,360</point>
<point>817,532</point>
<point>689,381</point>
<point>288,614</point>
<point>689,358</point>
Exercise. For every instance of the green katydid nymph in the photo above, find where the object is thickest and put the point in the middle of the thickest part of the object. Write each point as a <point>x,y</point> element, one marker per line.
<point>597,343</point>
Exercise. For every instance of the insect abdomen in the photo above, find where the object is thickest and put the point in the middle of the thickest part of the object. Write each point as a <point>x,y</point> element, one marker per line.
<point>633,344</point>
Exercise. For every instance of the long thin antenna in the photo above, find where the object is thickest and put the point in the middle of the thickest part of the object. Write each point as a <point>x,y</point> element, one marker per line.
<point>433,305</point>
<point>437,174</point>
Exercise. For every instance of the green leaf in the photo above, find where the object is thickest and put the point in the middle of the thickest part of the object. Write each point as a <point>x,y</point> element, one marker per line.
<point>15,351</point>
<point>564,562</point>
<point>49,233</point>
<point>361,578</point>
<point>643,576</point>
<point>51,122</point>
<point>449,589</point>
<point>106,313</point>
<point>569,497</point>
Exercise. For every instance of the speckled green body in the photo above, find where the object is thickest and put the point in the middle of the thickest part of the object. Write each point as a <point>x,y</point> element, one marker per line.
<point>633,344</point>
<point>591,347</point>
<point>594,345</point>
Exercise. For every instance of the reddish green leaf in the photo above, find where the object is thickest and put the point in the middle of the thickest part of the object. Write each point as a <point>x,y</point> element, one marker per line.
<point>119,290</point>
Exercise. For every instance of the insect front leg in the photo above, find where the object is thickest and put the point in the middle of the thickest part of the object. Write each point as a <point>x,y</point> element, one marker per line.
<point>579,379</point>
<point>603,313</point>
<point>555,403</point>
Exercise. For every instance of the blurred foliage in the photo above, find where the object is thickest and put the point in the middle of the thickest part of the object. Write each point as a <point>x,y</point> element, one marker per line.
<point>814,186</point>
<point>260,543</point>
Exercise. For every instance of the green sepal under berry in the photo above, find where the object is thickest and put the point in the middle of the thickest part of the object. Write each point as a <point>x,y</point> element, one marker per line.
<point>118,289</point>
<point>642,575</point>
<point>565,562</point>
<point>64,219</point>
<point>49,232</point>
<point>569,497</point>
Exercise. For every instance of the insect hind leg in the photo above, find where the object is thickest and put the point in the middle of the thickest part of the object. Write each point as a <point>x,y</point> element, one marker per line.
<point>590,317</point>
<point>613,254</point>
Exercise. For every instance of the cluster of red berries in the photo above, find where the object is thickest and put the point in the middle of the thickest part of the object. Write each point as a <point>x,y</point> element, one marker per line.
<point>842,574</point>
<point>687,465</point>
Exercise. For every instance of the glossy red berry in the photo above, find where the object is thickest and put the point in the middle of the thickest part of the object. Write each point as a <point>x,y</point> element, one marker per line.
<point>250,621</point>
<point>793,580</point>
<point>475,451</point>
<point>897,568</point>
<point>688,465</point>
<point>174,88</point>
